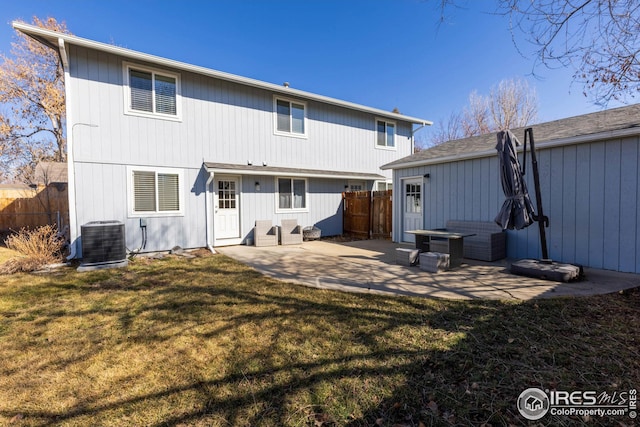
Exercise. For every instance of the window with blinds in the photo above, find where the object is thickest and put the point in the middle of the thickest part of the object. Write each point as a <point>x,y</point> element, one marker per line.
<point>168,194</point>
<point>165,90</point>
<point>156,192</point>
<point>141,84</point>
<point>144,191</point>
<point>152,92</point>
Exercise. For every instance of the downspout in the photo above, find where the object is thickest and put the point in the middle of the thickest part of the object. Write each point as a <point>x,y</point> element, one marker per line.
<point>71,180</point>
<point>209,212</point>
<point>413,132</point>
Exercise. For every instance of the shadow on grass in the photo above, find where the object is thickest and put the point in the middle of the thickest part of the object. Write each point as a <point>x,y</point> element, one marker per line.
<point>230,347</point>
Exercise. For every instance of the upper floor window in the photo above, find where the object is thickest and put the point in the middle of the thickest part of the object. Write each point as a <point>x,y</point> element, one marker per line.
<point>290,117</point>
<point>385,134</point>
<point>152,92</point>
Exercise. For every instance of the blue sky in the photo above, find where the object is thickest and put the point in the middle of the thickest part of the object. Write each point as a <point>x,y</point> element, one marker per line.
<point>380,53</point>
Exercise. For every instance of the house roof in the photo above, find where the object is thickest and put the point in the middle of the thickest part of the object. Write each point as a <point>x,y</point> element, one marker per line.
<point>54,39</point>
<point>282,171</point>
<point>50,173</point>
<point>614,123</point>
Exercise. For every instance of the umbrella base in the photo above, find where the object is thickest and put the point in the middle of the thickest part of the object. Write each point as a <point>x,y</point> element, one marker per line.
<point>547,270</point>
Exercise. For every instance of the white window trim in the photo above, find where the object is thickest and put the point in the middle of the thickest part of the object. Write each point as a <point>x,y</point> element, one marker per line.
<point>387,183</point>
<point>126,66</point>
<point>277,98</point>
<point>395,135</point>
<point>130,191</point>
<point>277,194</point>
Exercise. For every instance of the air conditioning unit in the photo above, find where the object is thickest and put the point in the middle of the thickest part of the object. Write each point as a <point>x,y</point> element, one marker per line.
<point>103,245</point>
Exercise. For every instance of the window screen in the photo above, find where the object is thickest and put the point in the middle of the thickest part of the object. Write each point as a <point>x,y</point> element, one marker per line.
<point>168,192</point>
<point>165,94</point>
<point>284,193</point>
<point>144,189</point>
<point>141,90</point>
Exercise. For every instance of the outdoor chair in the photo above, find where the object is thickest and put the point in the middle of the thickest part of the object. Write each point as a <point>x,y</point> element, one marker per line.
<point>265,234</point>
<point>290,232</point>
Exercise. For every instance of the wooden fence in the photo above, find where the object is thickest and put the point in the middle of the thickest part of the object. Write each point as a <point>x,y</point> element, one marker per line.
<point>24,207</point>
<point>367,215</point>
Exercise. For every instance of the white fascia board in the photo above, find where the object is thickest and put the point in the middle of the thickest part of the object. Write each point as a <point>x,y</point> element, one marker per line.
<point>53,36</point>
<point>293,174</point>
<point>580,139</point>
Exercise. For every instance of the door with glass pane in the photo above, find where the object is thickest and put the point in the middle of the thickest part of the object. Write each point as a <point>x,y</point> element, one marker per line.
<point>226,208</point>
<point>411,207</point>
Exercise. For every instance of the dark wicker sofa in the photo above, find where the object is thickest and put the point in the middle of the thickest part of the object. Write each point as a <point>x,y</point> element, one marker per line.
<point>488,244</point>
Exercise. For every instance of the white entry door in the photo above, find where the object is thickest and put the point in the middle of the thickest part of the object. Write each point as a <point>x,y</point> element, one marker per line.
<point>226,208</point>
<point>411,207</point>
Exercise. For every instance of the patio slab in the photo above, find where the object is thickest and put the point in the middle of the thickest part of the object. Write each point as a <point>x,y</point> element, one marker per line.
<point>369,266</point>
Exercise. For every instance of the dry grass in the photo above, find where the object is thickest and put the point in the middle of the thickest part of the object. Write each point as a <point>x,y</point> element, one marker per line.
<point>7,254</point>
<point>210,342</point>
<point>38,247</point>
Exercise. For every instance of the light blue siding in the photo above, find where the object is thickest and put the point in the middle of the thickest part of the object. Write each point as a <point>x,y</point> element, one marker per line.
<point>612,206</point>
<point>569,212</point>
<point>324,202</point>
<point>596,192</point>
<point>221,122</point>
<point>583,200</point>
<point>628,205</point>
<point>590,192</point>
<point>102,193</point>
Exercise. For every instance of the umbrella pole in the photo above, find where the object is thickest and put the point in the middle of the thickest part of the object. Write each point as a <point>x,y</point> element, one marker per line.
<point>543,221</point>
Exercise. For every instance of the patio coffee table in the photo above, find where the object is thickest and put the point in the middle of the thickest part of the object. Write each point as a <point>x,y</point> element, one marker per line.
<point>455,243</point>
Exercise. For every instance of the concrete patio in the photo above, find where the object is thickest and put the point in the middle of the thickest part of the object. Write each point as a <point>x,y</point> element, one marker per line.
<point>369,266</point>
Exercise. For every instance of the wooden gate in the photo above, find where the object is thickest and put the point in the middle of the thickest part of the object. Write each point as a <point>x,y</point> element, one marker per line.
<point>367,215</point>
<point>381,215</point>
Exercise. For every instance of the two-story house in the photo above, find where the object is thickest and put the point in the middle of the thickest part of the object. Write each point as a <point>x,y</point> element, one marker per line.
<point>197,156</point>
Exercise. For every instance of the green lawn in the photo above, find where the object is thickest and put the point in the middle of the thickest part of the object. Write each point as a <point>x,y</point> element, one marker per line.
<point>210,342</point>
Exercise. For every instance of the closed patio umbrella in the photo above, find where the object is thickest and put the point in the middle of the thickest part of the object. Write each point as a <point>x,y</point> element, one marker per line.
<point>517,210</point>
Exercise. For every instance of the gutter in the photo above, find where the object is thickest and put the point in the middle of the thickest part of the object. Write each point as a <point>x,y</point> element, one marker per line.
<point>572,140</point>
<point>291,173</point>
<point>414,131</point>
<point>208,212</point>
<point>71,177</point>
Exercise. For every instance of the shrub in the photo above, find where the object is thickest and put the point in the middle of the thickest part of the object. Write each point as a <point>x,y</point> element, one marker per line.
<point>39,247</point>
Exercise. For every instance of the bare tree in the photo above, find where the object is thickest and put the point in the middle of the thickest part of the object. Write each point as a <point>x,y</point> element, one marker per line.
<point>599,39</point>
<point>33,107</point>
<point>510,104</point>
<point>447,130</point>
<point>475,117</point>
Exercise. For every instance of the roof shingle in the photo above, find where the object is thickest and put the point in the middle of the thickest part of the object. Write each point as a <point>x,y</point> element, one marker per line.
<point>588,124</point>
